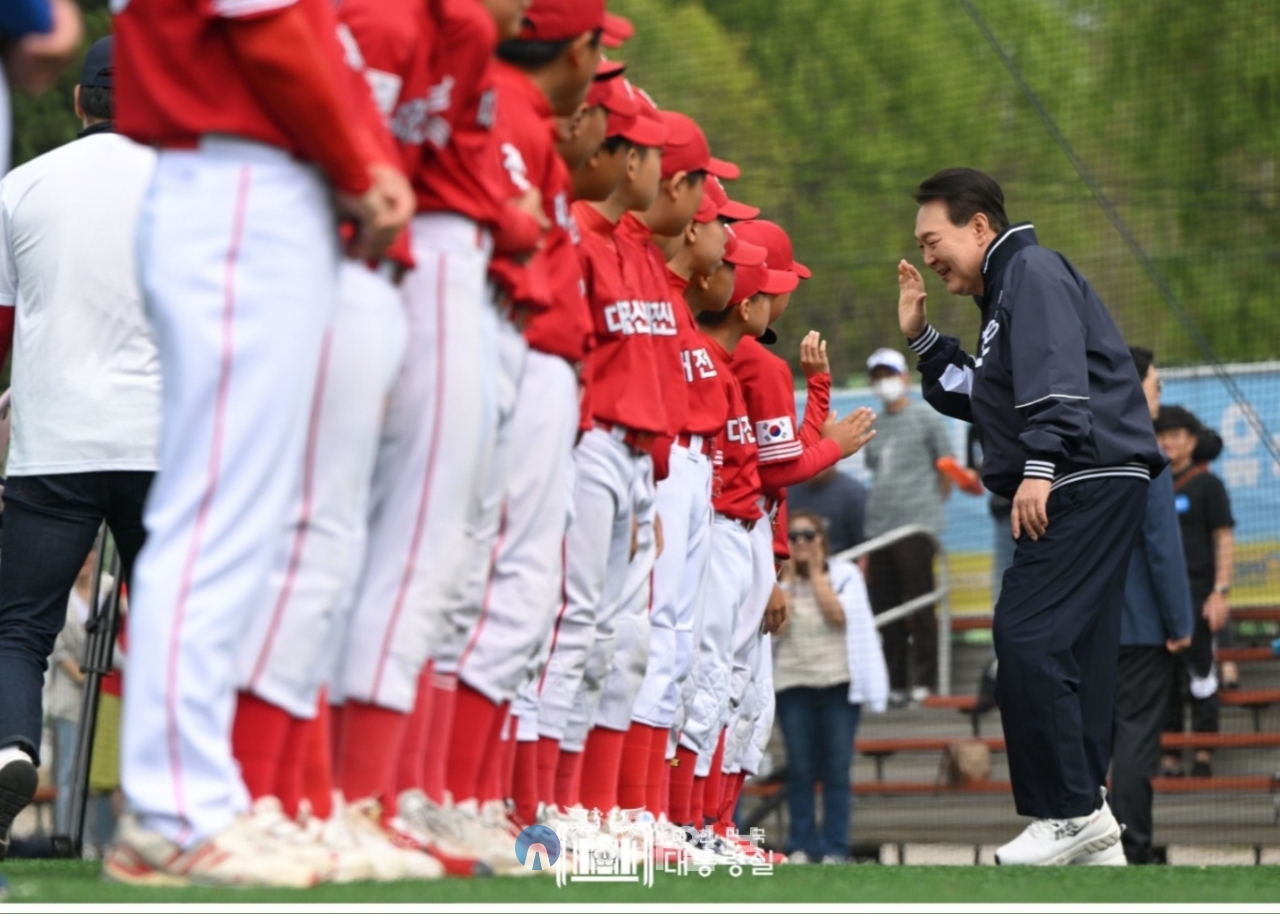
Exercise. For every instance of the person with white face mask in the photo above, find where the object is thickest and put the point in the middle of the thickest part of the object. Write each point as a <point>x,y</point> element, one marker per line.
<point>906,488</point>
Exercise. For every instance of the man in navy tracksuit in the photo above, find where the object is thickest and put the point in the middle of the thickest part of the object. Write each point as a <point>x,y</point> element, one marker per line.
<point>1066,435</point>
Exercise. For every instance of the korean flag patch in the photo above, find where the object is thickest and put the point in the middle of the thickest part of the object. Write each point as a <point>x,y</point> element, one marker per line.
<point>775,431</point>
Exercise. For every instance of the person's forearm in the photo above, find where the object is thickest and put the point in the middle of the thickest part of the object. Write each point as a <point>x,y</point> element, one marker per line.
<point>1224,557</point>
<point>36,60</point>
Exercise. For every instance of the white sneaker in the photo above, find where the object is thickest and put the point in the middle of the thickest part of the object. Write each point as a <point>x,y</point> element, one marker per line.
<point>487,838</point>
<point>1053,842</point>
<point>360,824</point>
<point>238,855</point>
<point>919,694</point>
<point>798,857</point>
<point>432,827</point>
<point>18,783</point>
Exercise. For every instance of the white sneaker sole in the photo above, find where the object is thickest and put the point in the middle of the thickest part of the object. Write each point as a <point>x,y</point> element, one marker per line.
<point>1066,855</point>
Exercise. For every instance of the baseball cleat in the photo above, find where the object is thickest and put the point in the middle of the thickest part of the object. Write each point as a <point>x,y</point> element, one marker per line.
<point>342,862</point>
<point>394,856</point>
<point>239,855</point>
<point>432,829</point>
<point>18,782</point>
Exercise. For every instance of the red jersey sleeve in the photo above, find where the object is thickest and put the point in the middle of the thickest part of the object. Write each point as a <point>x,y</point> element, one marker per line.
<point>817,406</point>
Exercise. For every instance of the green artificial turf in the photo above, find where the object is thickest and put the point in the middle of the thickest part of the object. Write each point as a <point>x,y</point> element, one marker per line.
<point>74,881</point>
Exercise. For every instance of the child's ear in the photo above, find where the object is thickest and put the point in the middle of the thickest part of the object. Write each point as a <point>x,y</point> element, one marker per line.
<point>691,233</point>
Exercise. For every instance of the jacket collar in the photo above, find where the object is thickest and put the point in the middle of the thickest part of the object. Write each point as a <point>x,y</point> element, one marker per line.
<point>1007,243</point>
<point>100,127</point>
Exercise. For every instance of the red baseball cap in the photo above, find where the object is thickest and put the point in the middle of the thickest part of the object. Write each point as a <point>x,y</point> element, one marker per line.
<point>644,127</point>
<point>560,20</point>
<point>609,69</point>
<point>617,29</point>
<point>773,238</point>
<point>749,281</point>
<point>742,253</point>
<point>717,205</point>
<point>686,149</point>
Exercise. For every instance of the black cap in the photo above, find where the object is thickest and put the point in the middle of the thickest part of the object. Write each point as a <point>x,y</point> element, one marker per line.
<point>97,72</point>
<point>1172,417</point>
<point>768,337</point>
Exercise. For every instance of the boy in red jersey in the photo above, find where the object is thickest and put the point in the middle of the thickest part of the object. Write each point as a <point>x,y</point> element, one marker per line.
<point>735,499</point>
<point>626,414</point>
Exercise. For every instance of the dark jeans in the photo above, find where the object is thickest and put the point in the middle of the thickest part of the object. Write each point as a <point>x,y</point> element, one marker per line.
<point>49,526</point>
<point>818,726</point>
<point>1057,639</point>
<point>1142,689</point>
<point>1197,662</point>
<point>896,574</point>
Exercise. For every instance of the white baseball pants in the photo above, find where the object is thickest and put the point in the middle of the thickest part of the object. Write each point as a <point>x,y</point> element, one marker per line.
<point>439,430</point>
<point>486,529</point>
<point>620,655</point>
<point>679,584</point>
<point>749,698</point>
<point>238,261</point>
<point>706,691</point>
<point>526,579</point>
<point>597,553</point>
<point>288,649</point>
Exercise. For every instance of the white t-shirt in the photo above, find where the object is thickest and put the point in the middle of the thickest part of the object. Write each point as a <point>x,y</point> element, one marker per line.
<point>86,373</point>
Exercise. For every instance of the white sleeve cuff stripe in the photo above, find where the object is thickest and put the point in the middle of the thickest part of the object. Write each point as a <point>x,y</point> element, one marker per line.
<point>920,345</point>
<point>7,301</point>
<point>1050,397</point>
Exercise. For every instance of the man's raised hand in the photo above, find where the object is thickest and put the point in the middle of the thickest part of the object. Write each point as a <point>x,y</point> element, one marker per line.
<point>911,295</point>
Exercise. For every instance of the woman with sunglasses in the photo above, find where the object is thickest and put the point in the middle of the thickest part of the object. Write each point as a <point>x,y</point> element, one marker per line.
<point>828,664</point>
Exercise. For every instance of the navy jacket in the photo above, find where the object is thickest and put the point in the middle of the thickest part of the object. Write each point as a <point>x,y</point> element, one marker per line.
<point>1053,390</point>
<point>1157,596</point>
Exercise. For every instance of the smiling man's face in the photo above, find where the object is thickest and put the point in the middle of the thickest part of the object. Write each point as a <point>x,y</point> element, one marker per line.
<point>952,251</point>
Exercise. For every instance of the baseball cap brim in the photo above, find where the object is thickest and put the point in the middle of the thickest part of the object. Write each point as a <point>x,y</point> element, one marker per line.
<point>801,270</point>
<point>609,69</point>
<point>743,254</point>
<point>722,169</point>
<point>780,282</point>
<point>617,29</point>
<point>738,212</point>
<point>768,337</point>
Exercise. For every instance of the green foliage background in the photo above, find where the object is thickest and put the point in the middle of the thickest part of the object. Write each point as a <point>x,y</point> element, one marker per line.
<point>837,108</point>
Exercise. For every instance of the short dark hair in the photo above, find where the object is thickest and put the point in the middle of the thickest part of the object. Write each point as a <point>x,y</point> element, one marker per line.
<point>534,55</point>
<point>96,102</point>
<point>1173,417</point>
<point>1142,360</point>
<point>967,192</point>
<point>612,144</point>
<point>696,176</point>
<point>713,318</point>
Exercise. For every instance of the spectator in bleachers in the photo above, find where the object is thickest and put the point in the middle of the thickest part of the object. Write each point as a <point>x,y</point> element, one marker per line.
<point>86,394</point>
<point>906,488</point>
<point>38,38</point>
<point>827,666</point>
<point>841,502</point>
<point>1156,624</point>
<point>1204,513</point>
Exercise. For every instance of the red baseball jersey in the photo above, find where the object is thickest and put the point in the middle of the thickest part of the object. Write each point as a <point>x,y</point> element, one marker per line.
<point>663,323</point>
<point>706,395</point>
<point>735,487</point>
<point>550,284</point>
<point>769,390</point>
<point>178,79</point>
<point>622,375</point>
<point>460,167</point>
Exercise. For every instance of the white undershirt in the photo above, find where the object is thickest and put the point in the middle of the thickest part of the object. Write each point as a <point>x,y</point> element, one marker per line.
<point>86,373</point>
